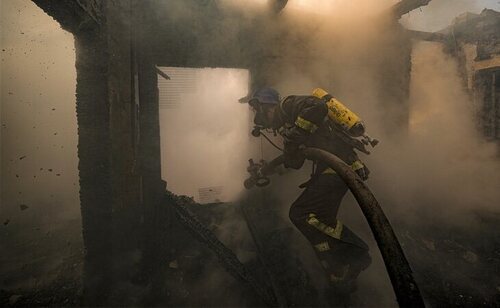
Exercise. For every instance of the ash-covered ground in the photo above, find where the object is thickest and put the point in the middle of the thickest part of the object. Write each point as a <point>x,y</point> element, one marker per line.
<point>42,266</point>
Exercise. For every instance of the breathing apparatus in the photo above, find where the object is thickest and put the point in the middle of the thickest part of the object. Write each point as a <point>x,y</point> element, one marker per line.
<point>344,119</point>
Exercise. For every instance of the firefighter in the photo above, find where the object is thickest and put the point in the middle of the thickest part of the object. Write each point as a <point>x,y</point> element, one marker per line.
<point>304,121</point>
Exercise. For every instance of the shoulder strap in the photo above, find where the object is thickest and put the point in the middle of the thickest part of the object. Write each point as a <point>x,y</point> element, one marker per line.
<point>282,109</point>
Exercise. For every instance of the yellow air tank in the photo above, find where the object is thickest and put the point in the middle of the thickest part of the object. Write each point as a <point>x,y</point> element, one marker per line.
<point>341,115</point>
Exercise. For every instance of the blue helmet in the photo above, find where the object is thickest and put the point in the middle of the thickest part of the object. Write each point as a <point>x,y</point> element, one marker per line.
<point>265,96</point>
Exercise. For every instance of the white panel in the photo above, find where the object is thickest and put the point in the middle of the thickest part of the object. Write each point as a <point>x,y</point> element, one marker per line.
<point>205,137</point>
<point>182,81</point>
<point>211,194</point>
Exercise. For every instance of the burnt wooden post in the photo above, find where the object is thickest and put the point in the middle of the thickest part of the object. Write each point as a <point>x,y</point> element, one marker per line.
<point>110,194</point>
<point>94,144</point>
<point>156,214</point>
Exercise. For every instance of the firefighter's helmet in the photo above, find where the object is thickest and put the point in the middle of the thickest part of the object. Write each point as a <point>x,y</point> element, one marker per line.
<point>265,96</point>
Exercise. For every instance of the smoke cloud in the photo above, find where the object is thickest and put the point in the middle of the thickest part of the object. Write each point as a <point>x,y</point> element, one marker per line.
<point>39,202</point>
<point>444,165</point>
<point>438,165</point>
<point>38,118</point>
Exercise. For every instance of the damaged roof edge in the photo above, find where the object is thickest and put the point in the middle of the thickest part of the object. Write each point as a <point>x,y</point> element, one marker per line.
<point>406,6</point>
<point>278,5</point>
<point>71,14</point>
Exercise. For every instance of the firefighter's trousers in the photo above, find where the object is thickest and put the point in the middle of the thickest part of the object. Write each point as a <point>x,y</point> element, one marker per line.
<point>342,253</point>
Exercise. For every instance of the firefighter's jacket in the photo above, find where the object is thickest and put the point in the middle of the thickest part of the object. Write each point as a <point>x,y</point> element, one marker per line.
<point>302,120</point>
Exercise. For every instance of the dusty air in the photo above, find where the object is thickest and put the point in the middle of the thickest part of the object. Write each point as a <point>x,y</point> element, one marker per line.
<point>250,153</point>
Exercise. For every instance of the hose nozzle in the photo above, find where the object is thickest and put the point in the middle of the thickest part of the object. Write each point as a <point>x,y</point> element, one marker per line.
<point>256,131</point>
<point>257,178</point>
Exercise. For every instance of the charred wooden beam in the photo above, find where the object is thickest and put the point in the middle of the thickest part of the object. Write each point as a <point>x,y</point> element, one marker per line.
<point>73,15</point>
<point>278,5</point>
<point>427,36</point>
<point>93,7</point>
<point>226,256</point>
<point>406,6</point>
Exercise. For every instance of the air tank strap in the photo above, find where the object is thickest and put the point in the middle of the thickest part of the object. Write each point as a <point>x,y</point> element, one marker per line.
<point>327,98</point>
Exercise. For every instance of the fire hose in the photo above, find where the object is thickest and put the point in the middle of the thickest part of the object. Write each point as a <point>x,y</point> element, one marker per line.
<point>398,268</point>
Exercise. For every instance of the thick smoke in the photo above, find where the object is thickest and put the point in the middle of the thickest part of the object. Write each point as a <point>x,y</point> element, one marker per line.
<point>439,165</point>
<point>441,155</point>
<point>38,139</point>
<point>39,203</point>
<point>443,165</point>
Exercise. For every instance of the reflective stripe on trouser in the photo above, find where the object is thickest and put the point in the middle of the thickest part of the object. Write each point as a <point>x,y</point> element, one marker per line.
<point>335,232</point>
<point>334,252</point>
<point>338,232</point>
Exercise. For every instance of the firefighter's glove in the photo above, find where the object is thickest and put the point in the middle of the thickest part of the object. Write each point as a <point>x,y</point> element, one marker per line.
<point>361,170</point>
<point>294,158</point>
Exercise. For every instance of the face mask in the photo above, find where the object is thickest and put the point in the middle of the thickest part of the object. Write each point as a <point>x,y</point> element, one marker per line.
<point>259,119</point>
<point>262,116</point>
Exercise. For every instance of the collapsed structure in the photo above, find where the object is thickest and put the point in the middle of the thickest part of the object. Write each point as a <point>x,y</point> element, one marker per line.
<point>474,40</point>
<point>119,44</point>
